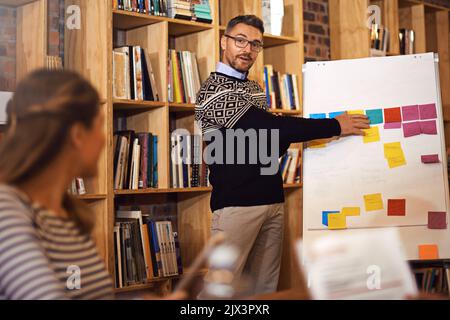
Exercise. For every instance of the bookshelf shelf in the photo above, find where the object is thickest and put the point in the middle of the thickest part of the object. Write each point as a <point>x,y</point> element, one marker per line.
<point>183,107</point>
<point>133,104</point>
<point>161,190</point>
<point>126,20</point>
<point>15,3</point>
<point>91,197</point>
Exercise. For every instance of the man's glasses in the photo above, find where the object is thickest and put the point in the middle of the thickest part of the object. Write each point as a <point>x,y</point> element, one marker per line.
<point>242,43</point>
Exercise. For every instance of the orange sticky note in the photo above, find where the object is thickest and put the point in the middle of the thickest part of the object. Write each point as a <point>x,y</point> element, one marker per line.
<point>428,252</point>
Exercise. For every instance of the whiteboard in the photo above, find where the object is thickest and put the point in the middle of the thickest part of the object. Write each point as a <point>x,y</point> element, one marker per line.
<point>340,174</point>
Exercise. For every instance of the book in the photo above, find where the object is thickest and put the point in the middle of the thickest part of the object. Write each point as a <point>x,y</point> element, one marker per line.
<point>184,77</point>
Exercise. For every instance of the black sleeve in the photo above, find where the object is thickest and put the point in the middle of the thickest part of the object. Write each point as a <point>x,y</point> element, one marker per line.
<point>292,129</point>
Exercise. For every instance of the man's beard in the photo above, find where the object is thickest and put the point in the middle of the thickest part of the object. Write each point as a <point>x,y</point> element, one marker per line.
<point>235,65</point>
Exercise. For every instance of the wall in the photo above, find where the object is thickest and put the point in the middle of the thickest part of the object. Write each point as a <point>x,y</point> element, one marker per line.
<point>317,30</point>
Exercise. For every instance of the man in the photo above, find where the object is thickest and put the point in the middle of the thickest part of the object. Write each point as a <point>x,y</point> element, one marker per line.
<point>247,204</point>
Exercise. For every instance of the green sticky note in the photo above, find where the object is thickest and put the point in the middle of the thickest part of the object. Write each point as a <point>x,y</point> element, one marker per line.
<point>375,116</point>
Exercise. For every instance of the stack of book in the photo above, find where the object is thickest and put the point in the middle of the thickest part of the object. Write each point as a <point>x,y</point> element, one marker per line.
<point>146,245</point>
<point>290,166</point>
<point>184,77</point>
<point>406,38</point>
<point>77,187</point>
<point>135,160</point>
<point>54,63</point>
<point>133,77</point>
<point>201,10</point>
<point>433,280</point>
<point>281,90</point>
<point>379,38</point>
<point>187,168</point>
<point>180,9</point>
<point>151,7</point>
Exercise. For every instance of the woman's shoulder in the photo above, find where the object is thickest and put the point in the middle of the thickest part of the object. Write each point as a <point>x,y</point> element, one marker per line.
<point>13,202</point>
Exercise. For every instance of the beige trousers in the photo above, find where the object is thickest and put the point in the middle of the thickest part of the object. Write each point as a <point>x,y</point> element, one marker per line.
<point>257,232</point>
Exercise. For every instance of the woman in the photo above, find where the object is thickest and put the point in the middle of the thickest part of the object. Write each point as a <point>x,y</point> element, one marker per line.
<point>55,133</point>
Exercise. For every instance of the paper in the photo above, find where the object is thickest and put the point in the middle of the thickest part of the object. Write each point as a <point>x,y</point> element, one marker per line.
<point>392,115</point>
<point>393,152</point>
<point>325,216</point>
<point>396,207</point>
<point>430,158</point>
<point>351,211</point>
<point>437,220</point>
<point>427,111</point>
<point>410,113</point>
<point>335,114</point>
<point>337,221</point>
<point>318,116</point>
<point>372,135</point>
<point>375,116</point>
<point>356,112</point>
<point>428,127</point>
<point>373,202</point>
<point>411,129</point>
<point>428,252</point>
<point>393,125</point>
<point>365,265</point>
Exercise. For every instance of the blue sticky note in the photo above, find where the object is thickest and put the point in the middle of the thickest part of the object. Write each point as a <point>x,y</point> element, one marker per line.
<point>318,116</point>
<point>335,114</point>
<point>325,216</point>
<point>375,116</point>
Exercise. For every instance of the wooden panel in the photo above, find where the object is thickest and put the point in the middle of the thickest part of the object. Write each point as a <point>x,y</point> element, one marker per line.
<point>31,42</point>
<point>418,25</point>
<point>194,225</point>
<point>99,234</point>
<point>153,39</point>
<point>390,14</point>
<point>349,32</point>
<point>232,8</point>
<point>16,3</point>
<point>155,121</point>
<point>443,48</point>
<point>290,276</point>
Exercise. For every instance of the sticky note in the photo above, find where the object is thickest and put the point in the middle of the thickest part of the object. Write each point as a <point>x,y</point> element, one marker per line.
<point>427,111</point>
<point>396,162</point>
<point>375,116</point>
<point>437,220</point>
<point>411,129</point>
<point>337,221</point>
<point>393,125</point>
<point>392,115</point>
<point>318,116</point>
<point>372,135</point>
<point>356,112</point>
<point>351,211</point>
<point>373,202</point>
<point>393,150</point>
<point>325,216</point>
<point>317,144</point>
<point>428,252</point>
<point>333,115</point>
<point>428,127</point>
<point>430,158</point>
<point>396,207</point>
<point>410,113</point>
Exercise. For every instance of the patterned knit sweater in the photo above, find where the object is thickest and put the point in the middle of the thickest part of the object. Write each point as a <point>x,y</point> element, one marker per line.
<point>225,102</point>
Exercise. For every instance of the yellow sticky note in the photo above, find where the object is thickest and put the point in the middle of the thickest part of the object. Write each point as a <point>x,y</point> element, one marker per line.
<point>372,135</point>
<point>393,150</point>
<point>317,144</point>
<point>337,221</point>
<point>396,162</point>
<point>351,211</point>
<point>373,202</point>
<point>356,112</point>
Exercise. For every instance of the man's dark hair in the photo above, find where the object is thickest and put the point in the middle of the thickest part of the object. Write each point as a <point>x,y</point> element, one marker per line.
<point>250,20</point>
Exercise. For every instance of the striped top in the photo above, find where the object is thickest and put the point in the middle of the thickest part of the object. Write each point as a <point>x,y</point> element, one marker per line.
<point>43,256</point>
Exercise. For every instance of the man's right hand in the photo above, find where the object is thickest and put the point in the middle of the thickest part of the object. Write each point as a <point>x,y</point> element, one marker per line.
<point>352,124</point>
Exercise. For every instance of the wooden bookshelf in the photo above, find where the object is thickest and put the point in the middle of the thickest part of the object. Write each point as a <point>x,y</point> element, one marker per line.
<point>89,51</point>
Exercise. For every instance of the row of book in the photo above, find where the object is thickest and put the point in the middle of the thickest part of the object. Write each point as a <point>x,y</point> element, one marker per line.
<point>281,89</point>
<point>195,10</point>
<point>187,168</point>
<point>135,160</point>
<point>146,245</point>
<point>133,77</point>
<point>433,280</point>
<point>183,77</point>
<point>379,38</point>
<point>406,38</point>
<point>77,187</point>
<point>290,166</point>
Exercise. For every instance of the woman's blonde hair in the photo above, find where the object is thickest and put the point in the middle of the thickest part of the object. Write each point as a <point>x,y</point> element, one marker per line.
<point>44,107</point>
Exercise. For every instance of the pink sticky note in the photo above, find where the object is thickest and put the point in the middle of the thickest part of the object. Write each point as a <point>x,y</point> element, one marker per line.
<point>428,111</point>
<point>410,113</point>
<point>428,127</point>
<point>411,129</point>
<point>430,158</point>
<point>393,125</point>
<point>437,220</point>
